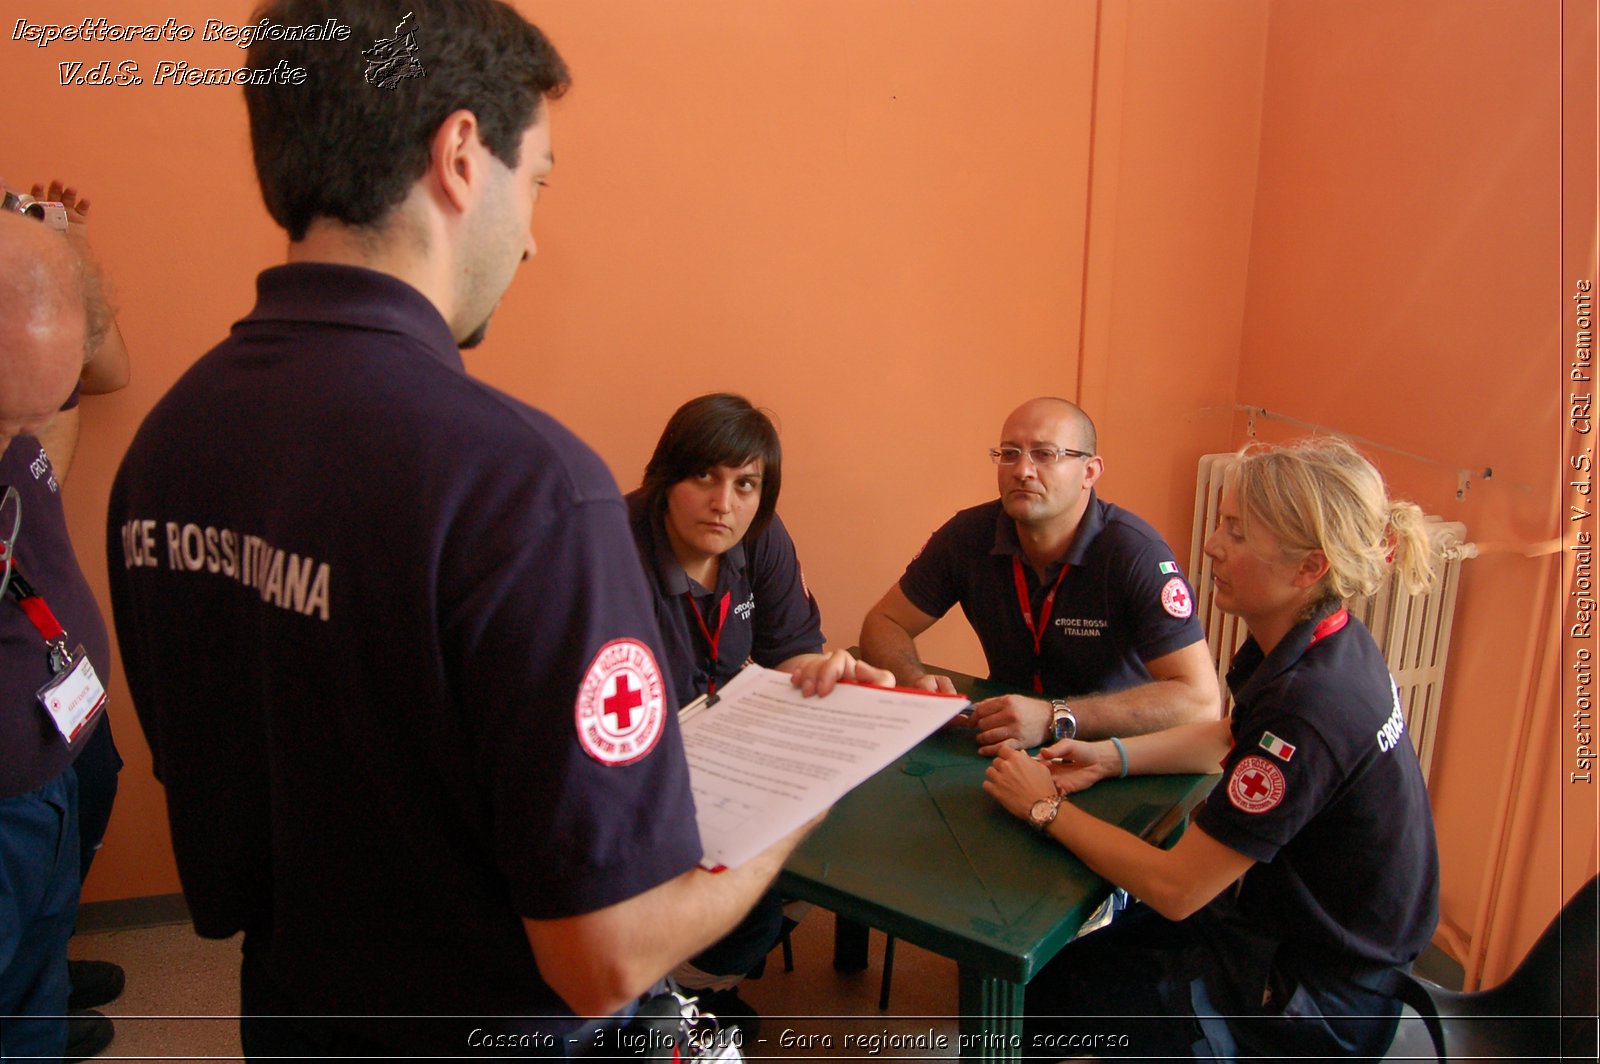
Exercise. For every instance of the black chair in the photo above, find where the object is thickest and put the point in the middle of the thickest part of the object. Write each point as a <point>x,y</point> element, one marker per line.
<point>1546,1009</point>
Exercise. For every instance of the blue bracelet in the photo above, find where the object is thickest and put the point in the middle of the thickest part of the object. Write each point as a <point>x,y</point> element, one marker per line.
<point>1122,752</point>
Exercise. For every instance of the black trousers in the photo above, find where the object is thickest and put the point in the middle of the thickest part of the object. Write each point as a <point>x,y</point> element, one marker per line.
<point>1144,988</point>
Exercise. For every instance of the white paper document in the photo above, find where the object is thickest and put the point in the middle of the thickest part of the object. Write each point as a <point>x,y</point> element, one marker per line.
<point>763,760</point>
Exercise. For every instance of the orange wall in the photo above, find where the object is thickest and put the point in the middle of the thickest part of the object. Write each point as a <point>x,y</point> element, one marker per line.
<point>852,212</point>
<point>891,220</point>
<point>1177,123</point>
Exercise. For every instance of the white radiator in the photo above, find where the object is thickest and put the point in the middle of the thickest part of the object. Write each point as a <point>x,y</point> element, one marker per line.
<point>1412,630</point>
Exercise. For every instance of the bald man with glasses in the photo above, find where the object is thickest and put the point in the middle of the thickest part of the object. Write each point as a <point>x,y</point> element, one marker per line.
<point>1073,598</point>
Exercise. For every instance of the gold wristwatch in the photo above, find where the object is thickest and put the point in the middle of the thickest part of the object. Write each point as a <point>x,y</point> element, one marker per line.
<point>1044,811</point>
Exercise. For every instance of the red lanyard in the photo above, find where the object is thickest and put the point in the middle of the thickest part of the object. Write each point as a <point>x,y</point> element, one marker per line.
<point>44,621</point>
<point>1037,631</point>
<point>1329,625</point>
<point>712,638</point>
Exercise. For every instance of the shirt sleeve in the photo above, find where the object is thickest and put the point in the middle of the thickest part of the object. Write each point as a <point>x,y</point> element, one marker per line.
<point>554,634</point>
<point>787,620</point>
<point>1158,602</point>
<point>933,580</point>
<point>1279,775</point>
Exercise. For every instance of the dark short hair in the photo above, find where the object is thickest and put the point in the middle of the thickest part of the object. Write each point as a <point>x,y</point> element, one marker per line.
<point>338,146</point>
<point>721,429</point>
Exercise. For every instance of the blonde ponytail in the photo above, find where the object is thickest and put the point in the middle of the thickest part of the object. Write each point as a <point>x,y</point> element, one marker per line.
<point>1411,553</point>
<point>1320,494</point>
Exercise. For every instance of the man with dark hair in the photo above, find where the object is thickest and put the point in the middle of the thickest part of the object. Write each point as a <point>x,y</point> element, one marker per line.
<point>1074,598</point>
<point>395,661</point>
<point>51,632</point>
<point>356,155</point>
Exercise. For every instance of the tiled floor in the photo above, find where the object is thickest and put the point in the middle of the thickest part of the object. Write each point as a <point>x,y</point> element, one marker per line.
<point>182,997</point>
<point>182,994</point>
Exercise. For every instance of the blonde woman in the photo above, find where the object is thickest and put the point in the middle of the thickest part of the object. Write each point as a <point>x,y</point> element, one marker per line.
<point>1310,874</point>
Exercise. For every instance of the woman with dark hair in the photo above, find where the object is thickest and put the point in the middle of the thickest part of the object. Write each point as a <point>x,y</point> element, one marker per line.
<point>1276,925</point>
<point>728,590</point>
<point>728,585</point>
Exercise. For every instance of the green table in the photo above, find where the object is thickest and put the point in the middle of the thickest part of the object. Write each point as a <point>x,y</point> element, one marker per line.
<point>920,852</point>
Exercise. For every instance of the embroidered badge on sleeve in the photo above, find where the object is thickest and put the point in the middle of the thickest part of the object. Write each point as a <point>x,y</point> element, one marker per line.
<point>1256,785</point>
<point>622,704</point>
<point>1175,598</point>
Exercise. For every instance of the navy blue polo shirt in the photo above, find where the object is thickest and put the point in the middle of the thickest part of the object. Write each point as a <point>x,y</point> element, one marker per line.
<point>1323,788</point>
<point>397,680</point>
<point>1122,602</point>
<point>771,614</point>
<point>32,751</point>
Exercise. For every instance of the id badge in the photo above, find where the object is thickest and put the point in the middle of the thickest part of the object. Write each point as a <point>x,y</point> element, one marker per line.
<point>73,696</point>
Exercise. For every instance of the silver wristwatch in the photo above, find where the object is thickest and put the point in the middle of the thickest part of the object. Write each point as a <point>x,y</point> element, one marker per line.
<point>1063,723</point>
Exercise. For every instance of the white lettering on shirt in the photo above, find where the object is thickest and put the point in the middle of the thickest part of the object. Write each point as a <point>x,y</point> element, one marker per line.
<point>1393,728</point>
<point>281,578</point>
<point>1089,627</point>
<point>40,467</point>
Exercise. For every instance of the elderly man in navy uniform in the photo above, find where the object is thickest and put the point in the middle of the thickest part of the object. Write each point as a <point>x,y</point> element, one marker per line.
<point>1073,598</point>
<point>53,646</point>
<point>383,624</point>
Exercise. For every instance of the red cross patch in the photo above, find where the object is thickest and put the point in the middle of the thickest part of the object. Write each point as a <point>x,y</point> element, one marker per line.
<point>622,703</point>
<point>1175,598</point>
<point>1256,785</point>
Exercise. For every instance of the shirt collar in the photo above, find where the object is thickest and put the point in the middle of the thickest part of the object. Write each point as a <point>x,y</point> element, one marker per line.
<point>1090,526</point>
<point>335,294</point>
<point>1250,670</point>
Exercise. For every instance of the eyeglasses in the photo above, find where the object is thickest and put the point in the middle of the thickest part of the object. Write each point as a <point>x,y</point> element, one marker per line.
<point>1037,455</point>
<point>10,525</point>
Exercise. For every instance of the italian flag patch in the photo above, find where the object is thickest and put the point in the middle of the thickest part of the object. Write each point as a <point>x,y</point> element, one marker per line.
<point>1168,568</point>
<point>1276,747</point>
